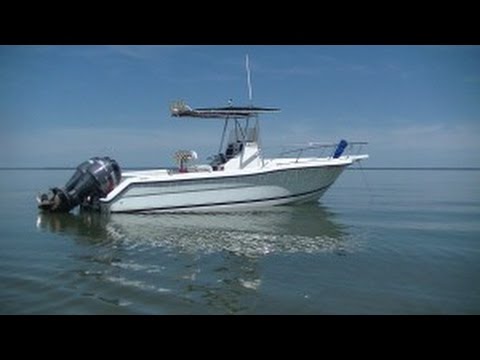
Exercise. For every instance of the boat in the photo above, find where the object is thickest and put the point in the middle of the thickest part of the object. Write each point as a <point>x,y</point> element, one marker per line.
<point>239,176</point>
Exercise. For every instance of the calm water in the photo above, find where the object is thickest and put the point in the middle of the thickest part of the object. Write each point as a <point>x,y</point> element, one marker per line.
<point>379,242</point>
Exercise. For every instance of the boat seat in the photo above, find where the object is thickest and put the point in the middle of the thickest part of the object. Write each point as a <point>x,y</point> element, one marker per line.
<point>233,149</point>
<point>223,158</point>
<point>217,161</point>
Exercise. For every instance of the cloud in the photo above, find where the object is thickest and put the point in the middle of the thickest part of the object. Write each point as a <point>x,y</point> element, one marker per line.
<point>442,144</point>
<point>472,79</point>
<point>205,77</point>
<point>327,58</point>
<point>130,51</point>
<point>131,147</point>
<point>436,137</point>
<point>319,70</point>
<point>144,52</point>
<point>294,71</point>
<point>106,52</point>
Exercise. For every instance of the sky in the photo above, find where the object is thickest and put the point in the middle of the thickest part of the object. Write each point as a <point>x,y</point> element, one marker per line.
<point>414,105</point>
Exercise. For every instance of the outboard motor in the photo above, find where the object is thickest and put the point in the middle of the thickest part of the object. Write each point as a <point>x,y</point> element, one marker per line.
<point>340,149</point>
<point>93,179</point>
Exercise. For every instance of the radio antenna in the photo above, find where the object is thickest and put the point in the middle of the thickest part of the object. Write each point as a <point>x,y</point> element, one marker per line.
<point>249,83</point>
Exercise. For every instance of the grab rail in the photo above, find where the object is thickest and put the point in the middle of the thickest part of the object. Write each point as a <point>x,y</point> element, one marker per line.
<point>353,148</point>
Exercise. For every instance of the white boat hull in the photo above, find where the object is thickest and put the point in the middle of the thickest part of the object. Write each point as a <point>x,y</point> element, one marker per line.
<point>223,192</point>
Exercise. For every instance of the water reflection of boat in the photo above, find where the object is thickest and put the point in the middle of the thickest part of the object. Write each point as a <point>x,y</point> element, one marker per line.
<point>190,263</point>
<point>307,228</point>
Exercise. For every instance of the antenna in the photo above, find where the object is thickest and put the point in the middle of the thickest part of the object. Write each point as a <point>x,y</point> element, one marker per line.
<point>249,83</point>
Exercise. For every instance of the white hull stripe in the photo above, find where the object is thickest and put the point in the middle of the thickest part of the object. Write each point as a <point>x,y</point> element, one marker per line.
<point>182,207</point>
<point>183,191</point>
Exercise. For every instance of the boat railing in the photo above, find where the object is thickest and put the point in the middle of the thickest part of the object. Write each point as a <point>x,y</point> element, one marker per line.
<point>323,150</point>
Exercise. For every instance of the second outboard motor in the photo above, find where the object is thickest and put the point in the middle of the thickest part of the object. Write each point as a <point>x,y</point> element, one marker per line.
<point>94,178</point>
<point>342,145</point>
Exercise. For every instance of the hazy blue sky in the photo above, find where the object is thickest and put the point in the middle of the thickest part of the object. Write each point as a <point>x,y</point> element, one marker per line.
<point>415,105</point>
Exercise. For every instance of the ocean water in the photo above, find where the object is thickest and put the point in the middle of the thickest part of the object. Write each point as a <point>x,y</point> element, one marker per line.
<point>378,242</point>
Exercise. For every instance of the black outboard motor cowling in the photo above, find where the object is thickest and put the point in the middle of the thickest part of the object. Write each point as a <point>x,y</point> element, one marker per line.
<point>93,179</point>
